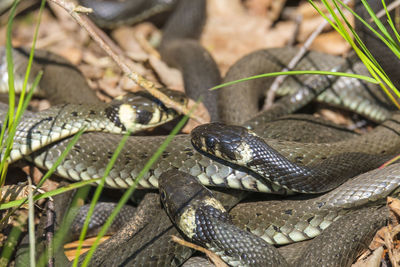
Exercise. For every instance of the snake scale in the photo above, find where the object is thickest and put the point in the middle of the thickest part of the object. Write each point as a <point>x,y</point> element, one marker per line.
<point>367,151</point>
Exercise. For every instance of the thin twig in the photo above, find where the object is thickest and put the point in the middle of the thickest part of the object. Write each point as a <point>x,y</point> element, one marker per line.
<point>50,231</point>
<point>211,255</point>
<point>389,7</point>
<point>297,20</point>
<point>85,23</point>
<point>303,49</point>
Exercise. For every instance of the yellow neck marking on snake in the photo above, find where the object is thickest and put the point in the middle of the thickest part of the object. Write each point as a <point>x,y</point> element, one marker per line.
<point>127,116</point>
<point>187,221</point>
<point>156,117</point>
<point>246,154</point>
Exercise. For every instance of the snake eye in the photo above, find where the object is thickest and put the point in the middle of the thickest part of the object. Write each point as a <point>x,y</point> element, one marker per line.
<point>210,142</point>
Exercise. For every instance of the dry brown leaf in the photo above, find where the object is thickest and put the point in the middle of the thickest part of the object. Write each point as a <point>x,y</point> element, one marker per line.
<point>200,111</point>
<point>266,8</point>
<point>127,84</point>
<point>70,248</point>
<point>394,207</point>
<point>231,32</point>
<point>50,40</point>
<point>172,78</point>
<point>146,33</point>
<point>335,116</point>
<point>394,231</point>
<point>378,239</point>
<point>14,192</point>
<point>308,26</point>
<point>110,84</point>
<point>93,59</point>
<point>64,18</point>
<point>125,38</point>
<point>311,20</point>
<point>331,43</point>
<point>389,246</point>
<point>282,32</point>
<point>73,54</point>
<point>91,72</point>
<point>258,7</point>
<point>372,260</point>
<point>308,11</point>
<point>18,219</point>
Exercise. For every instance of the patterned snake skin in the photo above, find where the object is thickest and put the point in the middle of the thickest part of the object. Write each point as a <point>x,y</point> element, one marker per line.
<point>181,155</point>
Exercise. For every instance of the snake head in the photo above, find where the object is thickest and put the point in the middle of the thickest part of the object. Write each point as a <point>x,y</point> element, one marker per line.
<point>177,189</point>
<point>140,110</point>
<point>184,199</point>
<point>222,141</point>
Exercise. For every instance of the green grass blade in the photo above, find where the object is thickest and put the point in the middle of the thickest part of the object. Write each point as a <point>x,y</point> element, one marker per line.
<point>30,61</point>
<point>12,122</point>
<point>47,175</point>
<point>2,134</point>
<point>12,131</point>
<point>51,193</point>
<point>302,72</point>
<point>390,21</point>
<point>394,29</point>
<point>337,21</point>
<point>12,240</point>
<point>62,156</point>
<point>369,61</point>
<point>62,232</point>
<point>10,71</point>
<point>322,14</point>
<point>10,62</point>
<point>97,194</point>
<point>125,197</point>
<point>27,99</point>
<point>390,43</point>
<point>378,23</point>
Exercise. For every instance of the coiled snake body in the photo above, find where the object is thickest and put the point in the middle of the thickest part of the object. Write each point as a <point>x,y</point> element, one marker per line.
<point>329,164</point>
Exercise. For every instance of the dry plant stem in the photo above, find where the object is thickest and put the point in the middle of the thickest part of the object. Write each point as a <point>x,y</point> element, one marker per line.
<point>389,7</point>
<point>147,47</point>
<point>50,231</point>
<point>116,49</point>
<point>303,49</point>
<point>83,21</point>
<point>297,20</point>
<point>212,256</point>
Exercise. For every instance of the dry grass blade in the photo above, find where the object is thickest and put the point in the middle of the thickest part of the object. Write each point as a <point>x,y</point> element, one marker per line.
<point>211,255</point>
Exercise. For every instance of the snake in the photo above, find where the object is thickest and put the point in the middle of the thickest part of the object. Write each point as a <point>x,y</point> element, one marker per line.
<point>209,170</point>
